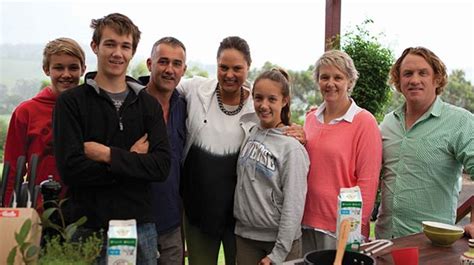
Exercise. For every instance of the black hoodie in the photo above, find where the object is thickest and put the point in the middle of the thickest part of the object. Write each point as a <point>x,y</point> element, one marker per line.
<point>122,189</point>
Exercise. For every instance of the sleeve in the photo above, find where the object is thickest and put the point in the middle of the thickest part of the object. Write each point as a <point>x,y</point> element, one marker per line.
<point>186,86</point>
<point>73,165</point>
<point>294,179</point>
<point>153,166</point>
<point>464,144</point>
<point>368,164</point>
<point>15,145</point>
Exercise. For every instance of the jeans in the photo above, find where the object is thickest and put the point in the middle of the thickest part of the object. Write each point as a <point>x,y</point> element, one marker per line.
<point>170,246</point>
<point>146,246</point>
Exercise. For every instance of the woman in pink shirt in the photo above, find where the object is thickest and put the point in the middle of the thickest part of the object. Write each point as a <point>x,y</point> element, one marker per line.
<point>345,150</point>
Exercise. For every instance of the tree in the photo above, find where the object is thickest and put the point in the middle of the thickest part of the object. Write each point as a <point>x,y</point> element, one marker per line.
<point>26,88</point>
<point>140,69</point>
<point>9,103</point>
<point>373,61</point>
<point>303,93</point>
<point>45,83</point>
<point>459,91</point>
<point>3,136</point>
<point>195,70</point>
<point>397,100</point>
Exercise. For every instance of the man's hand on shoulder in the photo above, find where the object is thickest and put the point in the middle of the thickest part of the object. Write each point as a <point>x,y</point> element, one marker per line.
<point>265,261</point>
<point>297,132</point>
<point>97,152</point>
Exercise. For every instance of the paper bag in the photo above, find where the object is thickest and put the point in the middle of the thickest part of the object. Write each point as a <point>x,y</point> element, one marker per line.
<point>11,220</point>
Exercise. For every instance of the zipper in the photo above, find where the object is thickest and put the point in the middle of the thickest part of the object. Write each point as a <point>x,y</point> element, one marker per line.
<point>122,109</point>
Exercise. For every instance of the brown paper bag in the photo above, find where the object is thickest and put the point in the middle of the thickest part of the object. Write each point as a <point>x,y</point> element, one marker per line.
<point>11,220</point>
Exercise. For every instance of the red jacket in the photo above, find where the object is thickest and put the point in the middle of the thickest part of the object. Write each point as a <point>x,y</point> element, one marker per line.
<point>30,132</point>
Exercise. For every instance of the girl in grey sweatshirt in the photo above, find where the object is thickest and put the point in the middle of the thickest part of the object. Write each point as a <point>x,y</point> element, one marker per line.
<point>271,179</point>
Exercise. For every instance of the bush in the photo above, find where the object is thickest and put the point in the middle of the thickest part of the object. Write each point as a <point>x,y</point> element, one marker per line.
<point>59,249</point>
<point>373,61</point>
<point>3,136</point>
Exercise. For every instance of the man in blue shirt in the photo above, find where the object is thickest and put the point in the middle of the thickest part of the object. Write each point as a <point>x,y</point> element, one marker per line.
<point>167,65</point>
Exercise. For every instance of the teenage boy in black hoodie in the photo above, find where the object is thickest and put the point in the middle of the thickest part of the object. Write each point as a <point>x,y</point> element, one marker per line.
<point>111,141</point>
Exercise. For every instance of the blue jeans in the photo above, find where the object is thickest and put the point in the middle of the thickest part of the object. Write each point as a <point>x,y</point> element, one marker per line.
<point>146,246</point>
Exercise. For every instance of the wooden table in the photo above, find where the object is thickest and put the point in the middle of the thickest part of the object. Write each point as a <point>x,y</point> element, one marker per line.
<point>428,253</point>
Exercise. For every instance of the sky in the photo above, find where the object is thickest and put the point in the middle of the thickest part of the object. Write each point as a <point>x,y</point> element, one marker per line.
<point>284,32</point>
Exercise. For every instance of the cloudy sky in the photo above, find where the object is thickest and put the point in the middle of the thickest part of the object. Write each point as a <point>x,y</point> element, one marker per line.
<point>288,33</point>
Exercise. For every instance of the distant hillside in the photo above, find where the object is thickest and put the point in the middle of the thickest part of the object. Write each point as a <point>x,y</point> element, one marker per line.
<point>24,61</point>
<point>14,69</point>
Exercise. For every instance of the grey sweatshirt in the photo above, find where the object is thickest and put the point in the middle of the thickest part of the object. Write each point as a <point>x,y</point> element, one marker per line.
<point>271,189</point>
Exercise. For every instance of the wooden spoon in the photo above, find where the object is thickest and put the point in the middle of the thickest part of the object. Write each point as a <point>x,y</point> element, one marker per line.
<point>344,230</point>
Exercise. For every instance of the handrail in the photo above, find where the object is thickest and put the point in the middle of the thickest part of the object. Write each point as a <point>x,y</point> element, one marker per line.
<point>465,208</point>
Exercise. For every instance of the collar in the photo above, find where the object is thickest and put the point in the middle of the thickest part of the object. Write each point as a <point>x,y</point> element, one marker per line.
<point>348,116</point>
<point>133,84</point>
<point>434,110</point>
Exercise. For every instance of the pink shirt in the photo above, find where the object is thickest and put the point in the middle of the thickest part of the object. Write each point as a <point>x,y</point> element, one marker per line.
<point>345,154</point>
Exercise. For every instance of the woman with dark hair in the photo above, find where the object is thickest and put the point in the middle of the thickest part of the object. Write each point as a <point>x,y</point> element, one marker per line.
<point>215,134</point>
<point>216,127</point>
<point>271,179</point>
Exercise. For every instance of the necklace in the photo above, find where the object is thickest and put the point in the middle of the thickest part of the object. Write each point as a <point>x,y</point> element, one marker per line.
<point>221,105</point>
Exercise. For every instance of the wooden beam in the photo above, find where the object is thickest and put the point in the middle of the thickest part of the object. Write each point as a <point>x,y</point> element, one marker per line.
<point>465,208</point>
<point>333,24</point>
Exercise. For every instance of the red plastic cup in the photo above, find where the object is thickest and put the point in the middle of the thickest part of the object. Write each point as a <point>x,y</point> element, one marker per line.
<point>405,256</point>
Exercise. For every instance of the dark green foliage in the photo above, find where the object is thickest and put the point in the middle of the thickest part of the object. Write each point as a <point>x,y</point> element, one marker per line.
<point>459,91</point>
<point>3,136</point>
<point>373,61</point>
<point>59,249</point>
<point>44,83</point>
<point>195,70</point>
<point>78,253</point>
<point>303,93</point>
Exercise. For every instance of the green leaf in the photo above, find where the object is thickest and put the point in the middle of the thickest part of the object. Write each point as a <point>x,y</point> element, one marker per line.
<point>81,221</point>
<point>31,252</point>
<point>52,202</point>
<point>69,231</point>
<point>61,202</point>
<point>24,230</point>
<point>11,256</point>
<point>24,246</point>
<point>55,227</point>
<point>47,214</point>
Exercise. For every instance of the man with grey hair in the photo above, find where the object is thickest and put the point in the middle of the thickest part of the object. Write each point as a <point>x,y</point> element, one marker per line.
<point>167,64</point>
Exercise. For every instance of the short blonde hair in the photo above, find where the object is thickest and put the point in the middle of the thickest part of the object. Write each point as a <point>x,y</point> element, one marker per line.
<point>63,46</point>
<point>342,61</point>
<point>439,69</point>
